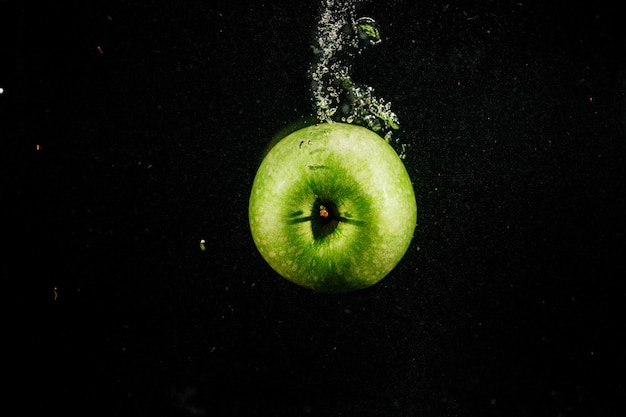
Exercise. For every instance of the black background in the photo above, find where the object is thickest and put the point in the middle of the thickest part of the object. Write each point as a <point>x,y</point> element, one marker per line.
<point>132,130</point>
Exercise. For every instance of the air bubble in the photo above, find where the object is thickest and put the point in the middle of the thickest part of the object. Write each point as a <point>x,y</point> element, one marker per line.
<point>337,97</point>
<point>367,30</point>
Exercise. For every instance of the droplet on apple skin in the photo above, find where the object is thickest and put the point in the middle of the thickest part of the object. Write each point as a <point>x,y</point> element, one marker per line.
<point>368,216</point>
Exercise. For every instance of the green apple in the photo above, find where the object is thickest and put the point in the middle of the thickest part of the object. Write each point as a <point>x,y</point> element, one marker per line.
<point>332,208</point>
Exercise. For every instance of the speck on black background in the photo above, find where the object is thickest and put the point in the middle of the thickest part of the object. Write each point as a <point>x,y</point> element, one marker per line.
<point>132,130</point>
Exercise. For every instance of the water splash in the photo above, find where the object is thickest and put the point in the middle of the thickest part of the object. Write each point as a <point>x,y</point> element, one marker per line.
<point>341,36</point>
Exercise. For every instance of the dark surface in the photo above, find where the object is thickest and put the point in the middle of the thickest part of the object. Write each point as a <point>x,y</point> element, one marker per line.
<point>509,302</point>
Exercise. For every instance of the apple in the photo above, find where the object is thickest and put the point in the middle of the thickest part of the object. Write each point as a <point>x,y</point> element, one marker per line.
<point>332,208</point>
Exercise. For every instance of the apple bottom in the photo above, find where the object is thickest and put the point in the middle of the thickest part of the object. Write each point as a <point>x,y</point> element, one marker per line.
<point>332,208</point>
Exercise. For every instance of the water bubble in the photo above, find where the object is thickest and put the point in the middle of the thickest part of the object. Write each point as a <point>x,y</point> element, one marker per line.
<point>367,30</point>
<point>337,97</point>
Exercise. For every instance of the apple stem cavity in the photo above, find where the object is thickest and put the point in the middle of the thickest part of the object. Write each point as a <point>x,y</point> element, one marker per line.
<point>324,218</point>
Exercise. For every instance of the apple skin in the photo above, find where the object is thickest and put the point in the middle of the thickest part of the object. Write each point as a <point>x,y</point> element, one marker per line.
<point>332,208</point>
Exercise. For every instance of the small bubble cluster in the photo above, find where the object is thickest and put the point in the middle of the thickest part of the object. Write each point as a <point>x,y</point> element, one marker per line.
<point>337,98</point>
